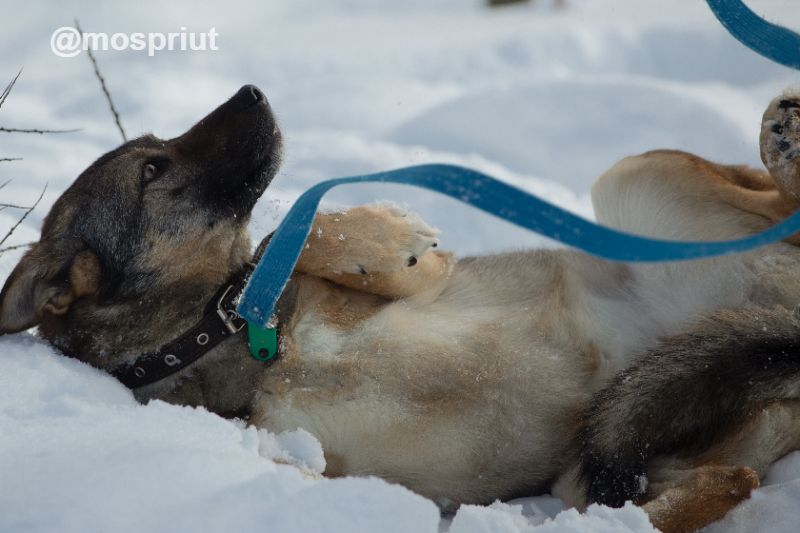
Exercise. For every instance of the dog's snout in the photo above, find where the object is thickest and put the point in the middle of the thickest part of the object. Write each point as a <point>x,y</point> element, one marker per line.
<point>256,93</point>
<point>249,95</point>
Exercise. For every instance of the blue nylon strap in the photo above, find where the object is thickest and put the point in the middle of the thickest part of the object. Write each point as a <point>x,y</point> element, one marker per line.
<point>770,40</point>
<point>272,273</point>
<point>494,197</point>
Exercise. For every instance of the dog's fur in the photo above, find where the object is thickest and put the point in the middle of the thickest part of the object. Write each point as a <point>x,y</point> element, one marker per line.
<point>466,380</point>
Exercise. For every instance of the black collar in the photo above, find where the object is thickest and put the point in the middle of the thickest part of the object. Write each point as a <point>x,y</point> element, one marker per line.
<point>219,322</point>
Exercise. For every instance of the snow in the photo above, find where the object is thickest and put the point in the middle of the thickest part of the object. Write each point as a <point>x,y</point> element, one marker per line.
<point>542,98</point>
<point>77,443</point>
<point>504,518</point>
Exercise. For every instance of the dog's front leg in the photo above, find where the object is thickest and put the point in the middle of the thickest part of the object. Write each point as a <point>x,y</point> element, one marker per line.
<point>380,249</point>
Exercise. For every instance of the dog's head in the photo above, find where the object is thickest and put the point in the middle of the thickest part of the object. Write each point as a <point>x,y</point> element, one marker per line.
<point>150,221</point>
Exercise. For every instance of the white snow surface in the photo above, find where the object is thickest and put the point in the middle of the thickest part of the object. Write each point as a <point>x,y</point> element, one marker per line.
<point>542,98</point>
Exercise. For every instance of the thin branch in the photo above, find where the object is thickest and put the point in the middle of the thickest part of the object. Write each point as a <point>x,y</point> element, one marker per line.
<point>23,217</point>
<point>10,206</point>
<point>16,247</point>
<point>3,97</point>
<point>7,159</point>
<point>35,130</point>
<point>103,86</point>
<point>8,88</point>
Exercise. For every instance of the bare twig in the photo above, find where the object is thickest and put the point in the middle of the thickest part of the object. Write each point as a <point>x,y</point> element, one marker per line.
<point>16,247</point>
<point>35,130</point>
<point>3,97</point>
<point>104,87</point>
<point>23,217</point>
<point>8,88</point>
<point>3,206</point>
<point>10,206</point>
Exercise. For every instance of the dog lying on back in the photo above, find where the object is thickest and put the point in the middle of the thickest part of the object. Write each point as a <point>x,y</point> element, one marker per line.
<point>675,385</point>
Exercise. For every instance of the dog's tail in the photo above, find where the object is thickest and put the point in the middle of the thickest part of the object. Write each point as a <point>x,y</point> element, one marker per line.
<point>685,394</point>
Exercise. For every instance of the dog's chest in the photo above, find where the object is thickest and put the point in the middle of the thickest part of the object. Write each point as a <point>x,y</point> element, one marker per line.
<point>317,341</point>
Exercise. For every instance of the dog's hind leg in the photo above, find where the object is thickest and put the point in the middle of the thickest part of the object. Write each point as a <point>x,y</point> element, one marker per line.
<point>780,143</point>
<point>702,496</point>
<point>690,492</point>
<point>680,497</point>
<point>378,249</point>
<point>676,195</point>
<point>765,437</point>
<point>726,392</point>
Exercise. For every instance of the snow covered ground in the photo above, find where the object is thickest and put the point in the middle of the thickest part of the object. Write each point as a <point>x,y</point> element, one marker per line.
<point>544,99</point>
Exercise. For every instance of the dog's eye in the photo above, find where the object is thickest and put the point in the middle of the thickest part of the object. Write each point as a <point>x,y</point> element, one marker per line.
<point>153,168</point>
<point>149,173</point>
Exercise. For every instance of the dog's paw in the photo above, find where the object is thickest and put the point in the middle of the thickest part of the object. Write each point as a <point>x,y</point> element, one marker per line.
<point>704,495</point>
<point>366,240</point>
<point>393,238</point>
<point>416,237</point>
<point>780,141</point>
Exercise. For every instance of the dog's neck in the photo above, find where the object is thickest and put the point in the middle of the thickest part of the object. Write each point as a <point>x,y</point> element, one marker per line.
<point>112,333</point>
<point>226,379</point>
<point>216,374</point>
<point>223,380</point>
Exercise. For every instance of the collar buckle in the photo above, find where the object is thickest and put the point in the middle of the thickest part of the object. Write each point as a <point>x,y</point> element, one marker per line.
<point>232,321</point>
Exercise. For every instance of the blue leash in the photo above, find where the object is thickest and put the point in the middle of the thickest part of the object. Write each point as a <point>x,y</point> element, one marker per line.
<point>495,197</point>
<point>257,303</point>
<point>770,40</point>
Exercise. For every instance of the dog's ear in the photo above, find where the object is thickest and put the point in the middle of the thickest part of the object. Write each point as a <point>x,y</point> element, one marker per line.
<point>46,281</point>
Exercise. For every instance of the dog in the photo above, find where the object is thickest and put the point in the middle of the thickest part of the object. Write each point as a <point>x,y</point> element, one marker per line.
<point>674,385</point>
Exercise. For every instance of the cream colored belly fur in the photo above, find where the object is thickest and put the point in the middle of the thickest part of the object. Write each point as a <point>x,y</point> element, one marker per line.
<point>475,385</point>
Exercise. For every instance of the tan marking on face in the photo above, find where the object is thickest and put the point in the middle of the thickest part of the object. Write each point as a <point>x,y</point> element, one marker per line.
<point>206,257</point>
<point>58,304</point>
<point>84,275</point>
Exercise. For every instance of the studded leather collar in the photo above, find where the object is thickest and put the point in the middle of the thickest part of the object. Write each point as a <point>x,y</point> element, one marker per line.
<point>219,323</point>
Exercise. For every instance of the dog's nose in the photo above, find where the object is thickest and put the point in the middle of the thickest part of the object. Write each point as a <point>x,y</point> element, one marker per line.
<point>255,93</point>
<point>249,95</point>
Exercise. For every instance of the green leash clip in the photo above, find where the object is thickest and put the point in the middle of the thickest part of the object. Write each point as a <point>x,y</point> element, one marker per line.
<point>263,342</point>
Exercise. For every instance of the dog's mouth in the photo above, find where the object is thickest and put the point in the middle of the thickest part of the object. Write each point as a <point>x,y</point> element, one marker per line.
<point>240,143</point>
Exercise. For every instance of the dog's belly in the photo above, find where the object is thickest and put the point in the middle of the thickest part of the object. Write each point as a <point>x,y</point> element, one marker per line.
<point>659,300</point>
<point>475,394</point>
<point>464,398</point>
